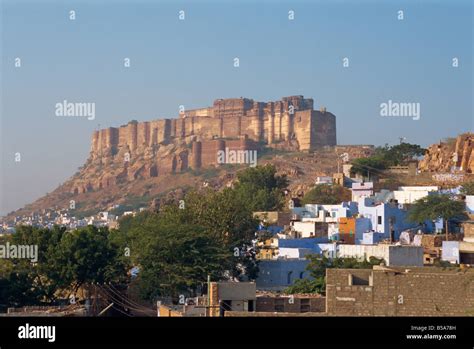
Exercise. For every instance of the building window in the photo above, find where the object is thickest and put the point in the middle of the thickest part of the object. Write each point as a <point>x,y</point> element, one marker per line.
<point>305,305</point>
<point>226,305</point>
<point>279,305</point>
<point>301,274</point>
<point>359,280</point>
<point>288,278</point>
<point>379,219</point>
<point>251,306</point>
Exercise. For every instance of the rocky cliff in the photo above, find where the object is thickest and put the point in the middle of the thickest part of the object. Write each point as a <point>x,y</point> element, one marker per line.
<point>453,154</point>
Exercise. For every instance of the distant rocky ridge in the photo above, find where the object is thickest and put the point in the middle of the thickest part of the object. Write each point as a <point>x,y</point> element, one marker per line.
<point>141,150</point>
<point>453,155</point>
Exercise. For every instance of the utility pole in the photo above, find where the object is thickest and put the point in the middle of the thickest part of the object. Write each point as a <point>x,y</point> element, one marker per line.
<point>208,295</point>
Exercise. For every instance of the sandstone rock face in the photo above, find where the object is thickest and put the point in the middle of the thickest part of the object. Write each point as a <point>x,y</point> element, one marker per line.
<point>445,156</point>
<point>193,140</point>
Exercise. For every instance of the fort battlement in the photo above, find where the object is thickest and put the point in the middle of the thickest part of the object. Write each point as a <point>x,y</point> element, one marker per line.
<point>192,139</point>
<point>292,118</point>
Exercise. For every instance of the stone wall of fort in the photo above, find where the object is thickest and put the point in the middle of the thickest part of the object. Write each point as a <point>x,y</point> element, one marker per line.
<point>292,118</point>
<point>192,140</point>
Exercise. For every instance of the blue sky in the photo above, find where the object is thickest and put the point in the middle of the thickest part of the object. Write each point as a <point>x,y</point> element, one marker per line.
<point>190,63</point>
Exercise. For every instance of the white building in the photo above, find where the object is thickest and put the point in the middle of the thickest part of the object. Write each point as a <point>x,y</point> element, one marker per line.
<point>323,180</point>
<point>326,213</point>
<point>104,215</point>
<point>305,229</point>
<point>333,231</point>
<point>289,252</point>
<point>408,195</point>
<point>362,190</point>
<point>388,218</point>
<point>393,255</point>
<point>470,204</point>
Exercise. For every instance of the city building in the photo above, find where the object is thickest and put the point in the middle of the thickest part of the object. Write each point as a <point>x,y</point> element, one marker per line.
<point>290,304</point>
<point>387,218</point>
<point>351,230</point>
<point>409,194</point>
<point>393,255</point>
<point>231,296</point>
<point>276,275</point>
<point>362,190</point>
<point>470,204</point>
<point>325,213</point>
<point>323,180</point>
<point>460,252</point>
<point>382,291</point>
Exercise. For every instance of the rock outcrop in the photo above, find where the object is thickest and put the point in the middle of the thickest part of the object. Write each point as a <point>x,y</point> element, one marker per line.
<point>453,155</point>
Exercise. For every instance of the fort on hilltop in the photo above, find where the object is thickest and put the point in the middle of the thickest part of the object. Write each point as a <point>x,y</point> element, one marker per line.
<point>165,146</point>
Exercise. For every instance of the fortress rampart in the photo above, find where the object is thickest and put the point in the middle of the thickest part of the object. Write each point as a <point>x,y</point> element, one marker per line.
<point>192,140</point>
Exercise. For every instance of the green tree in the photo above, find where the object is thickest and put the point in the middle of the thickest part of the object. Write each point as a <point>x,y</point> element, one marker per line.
<point>176,248</point>
<point>365,166</point>
<point>87,255</point>
<point>43,284</point>
<point>317,267</point>
<point>386,156</point>
<point>16,282</point>
<point>179,260</point>
<point>326,194</point>
<point>401,154</point>
<point>212,234</point>
<point>434,207</point>
<point>66,260</point>
<point>468,188</point>
<point>260,188</point>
